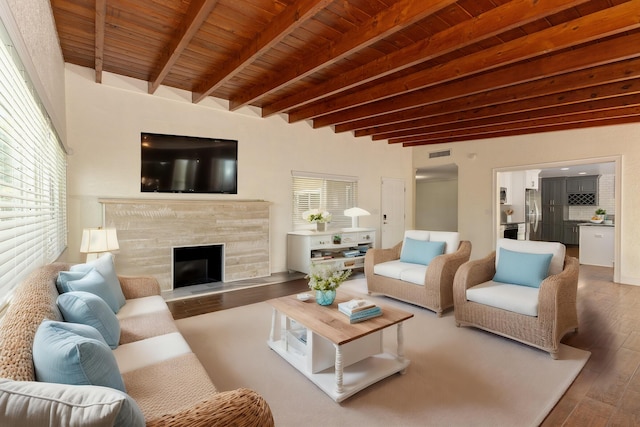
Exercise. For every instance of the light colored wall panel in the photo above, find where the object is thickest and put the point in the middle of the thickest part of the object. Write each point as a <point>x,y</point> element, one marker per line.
<point>148,230</point>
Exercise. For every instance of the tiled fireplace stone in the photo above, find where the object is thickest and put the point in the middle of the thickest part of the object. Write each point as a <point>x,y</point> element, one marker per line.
<point>149,229</point>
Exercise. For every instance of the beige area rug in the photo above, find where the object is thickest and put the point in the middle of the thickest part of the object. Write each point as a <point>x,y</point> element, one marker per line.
<point>457,376</point>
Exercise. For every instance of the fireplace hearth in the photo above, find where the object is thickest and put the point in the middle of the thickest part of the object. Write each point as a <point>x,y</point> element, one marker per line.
<point>196,265</point>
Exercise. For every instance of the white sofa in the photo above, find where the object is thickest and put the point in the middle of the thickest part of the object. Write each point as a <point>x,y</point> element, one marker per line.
<point>418,270</point>
<point>165,384</point>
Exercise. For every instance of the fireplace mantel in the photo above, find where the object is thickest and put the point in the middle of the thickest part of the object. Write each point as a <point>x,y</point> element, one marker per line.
<point>149,228</point>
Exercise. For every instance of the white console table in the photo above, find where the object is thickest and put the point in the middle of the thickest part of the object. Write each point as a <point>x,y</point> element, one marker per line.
<point>307,246</point>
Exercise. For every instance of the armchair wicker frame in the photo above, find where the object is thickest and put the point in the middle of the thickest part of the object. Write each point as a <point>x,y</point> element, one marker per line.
<point>557,312</point>
<point>437,292</point>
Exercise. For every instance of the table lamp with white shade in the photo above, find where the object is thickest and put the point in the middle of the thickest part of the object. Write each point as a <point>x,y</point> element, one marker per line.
<point>96,241</point>
<point>355,213</point>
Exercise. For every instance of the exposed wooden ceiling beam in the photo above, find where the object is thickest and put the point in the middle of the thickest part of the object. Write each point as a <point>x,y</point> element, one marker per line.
<point>552,113</point>
<point>495,21</point>
<point>623,116</point>
<point>601,24</point>
<point>399,108</point>
<point>567,89</point>
<point>396,17</point>
<point>291,18</point>
<point>197,14</point>
<point>100,19</point>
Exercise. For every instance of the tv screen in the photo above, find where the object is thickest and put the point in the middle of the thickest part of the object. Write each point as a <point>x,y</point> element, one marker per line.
<point>186,164</point>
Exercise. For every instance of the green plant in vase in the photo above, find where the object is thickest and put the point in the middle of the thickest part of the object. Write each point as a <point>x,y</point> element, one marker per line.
<point>600,214</point>
<point>324,279</point>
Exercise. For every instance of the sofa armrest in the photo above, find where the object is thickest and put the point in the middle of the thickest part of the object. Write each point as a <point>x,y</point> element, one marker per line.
<point>473,273</point>
<point>240,407</point>
<point>139,286</point>
<point>559,289</point>
<point>377,256</point>
<point>443,268</point>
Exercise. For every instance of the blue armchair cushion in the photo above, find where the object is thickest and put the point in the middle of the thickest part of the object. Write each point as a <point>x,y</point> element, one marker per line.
<point>521,268</point>
<point>420,251</point>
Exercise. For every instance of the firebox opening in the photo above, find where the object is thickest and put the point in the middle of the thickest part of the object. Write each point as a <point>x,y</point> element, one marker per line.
<point>195,265</point>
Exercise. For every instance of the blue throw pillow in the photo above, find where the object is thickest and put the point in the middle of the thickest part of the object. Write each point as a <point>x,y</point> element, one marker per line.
<point>521,268</point>
<point>71,353</point>
<point>87,281</point>
<point>420,251</point>
<point>107,268</point>
<point>90,309</point>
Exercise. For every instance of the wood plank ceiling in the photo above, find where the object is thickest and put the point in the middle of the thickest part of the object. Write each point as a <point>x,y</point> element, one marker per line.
<point>410,72</point>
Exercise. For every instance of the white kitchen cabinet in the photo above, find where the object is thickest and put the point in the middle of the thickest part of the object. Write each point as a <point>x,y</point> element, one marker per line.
<point>597,245</point>
<point>532,179</point>
<point>305,247</point>
<point>504,181</point>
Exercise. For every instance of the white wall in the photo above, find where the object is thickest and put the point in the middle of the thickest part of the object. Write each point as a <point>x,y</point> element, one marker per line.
<point>104,122</point>
<point>479,161</point>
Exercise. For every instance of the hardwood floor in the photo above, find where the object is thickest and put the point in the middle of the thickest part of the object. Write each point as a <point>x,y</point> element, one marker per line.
<point>607,391</point>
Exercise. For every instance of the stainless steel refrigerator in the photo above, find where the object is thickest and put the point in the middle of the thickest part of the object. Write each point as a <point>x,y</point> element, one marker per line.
<point>533,214</point>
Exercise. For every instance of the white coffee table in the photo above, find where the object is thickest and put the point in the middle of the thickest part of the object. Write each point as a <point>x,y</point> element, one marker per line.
<point>339,357</point>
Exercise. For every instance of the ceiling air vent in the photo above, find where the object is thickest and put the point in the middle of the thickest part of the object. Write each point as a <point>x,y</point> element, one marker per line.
<point>443,153</point>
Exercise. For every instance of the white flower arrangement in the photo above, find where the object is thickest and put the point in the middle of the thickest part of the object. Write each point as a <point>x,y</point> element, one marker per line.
<point>326,277</point>
<point>316,215</point>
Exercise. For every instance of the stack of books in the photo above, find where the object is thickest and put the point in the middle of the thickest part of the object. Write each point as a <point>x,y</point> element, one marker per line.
<point>359,310</point>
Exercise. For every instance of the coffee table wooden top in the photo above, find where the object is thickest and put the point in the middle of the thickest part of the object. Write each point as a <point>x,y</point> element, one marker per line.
<point>330,323</point>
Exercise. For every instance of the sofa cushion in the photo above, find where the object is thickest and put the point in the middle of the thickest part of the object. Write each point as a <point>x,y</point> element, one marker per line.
<point>535,247</point>
<point>72,353</point>
<point>392,269</point>
<point>46,404</point>
<point>106,267</point>
<point>144,305</point>
<point>515,298</point>
<point>90,309</point>
<point>420,251</point>
<point>415,275</point>
<point>522,268</point>
<point>409,272</point>
<point>138,354</point>
<point>87,281</point>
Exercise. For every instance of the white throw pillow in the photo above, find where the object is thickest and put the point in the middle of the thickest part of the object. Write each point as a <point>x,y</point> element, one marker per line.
<point>48,404</point>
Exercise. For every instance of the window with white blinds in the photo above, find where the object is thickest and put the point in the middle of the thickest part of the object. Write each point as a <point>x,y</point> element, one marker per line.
<point>32,177</point>
<point>333,193</point>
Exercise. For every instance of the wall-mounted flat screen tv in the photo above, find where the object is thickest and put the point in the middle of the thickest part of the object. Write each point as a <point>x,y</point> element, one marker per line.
<point>186,164</point>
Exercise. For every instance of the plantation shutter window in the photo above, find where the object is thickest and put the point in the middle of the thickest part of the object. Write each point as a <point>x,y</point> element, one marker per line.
<point>333,193</point>
<point>33,225</point>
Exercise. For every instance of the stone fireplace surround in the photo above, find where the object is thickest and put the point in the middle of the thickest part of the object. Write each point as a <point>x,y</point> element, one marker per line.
<point>148,229</point>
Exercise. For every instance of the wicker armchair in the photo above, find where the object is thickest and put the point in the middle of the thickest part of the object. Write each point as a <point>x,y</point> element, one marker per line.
<point>556,304</point>
<point>434,293</point>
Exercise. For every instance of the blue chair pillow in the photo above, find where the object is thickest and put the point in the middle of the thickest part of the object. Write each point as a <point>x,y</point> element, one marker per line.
<point>71,353</point>
<point>521,268</point>
<point>420,251</point>
<point>87,281</point>
<point>106,267</point>
<point>90,309</point>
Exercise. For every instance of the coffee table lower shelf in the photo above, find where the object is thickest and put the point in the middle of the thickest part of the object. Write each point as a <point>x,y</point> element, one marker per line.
<point>342,383</point>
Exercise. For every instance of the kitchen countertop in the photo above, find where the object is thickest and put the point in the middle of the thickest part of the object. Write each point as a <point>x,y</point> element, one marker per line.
<point>591,224</point>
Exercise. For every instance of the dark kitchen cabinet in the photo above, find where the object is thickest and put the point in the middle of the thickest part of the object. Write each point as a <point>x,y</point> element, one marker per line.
<point>582,190</point>
<point>571,235</point>
<point>554,208</point>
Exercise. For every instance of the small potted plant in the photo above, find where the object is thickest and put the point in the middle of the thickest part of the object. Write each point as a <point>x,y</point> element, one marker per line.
<point>601,214</point>
<point>325,279</point>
